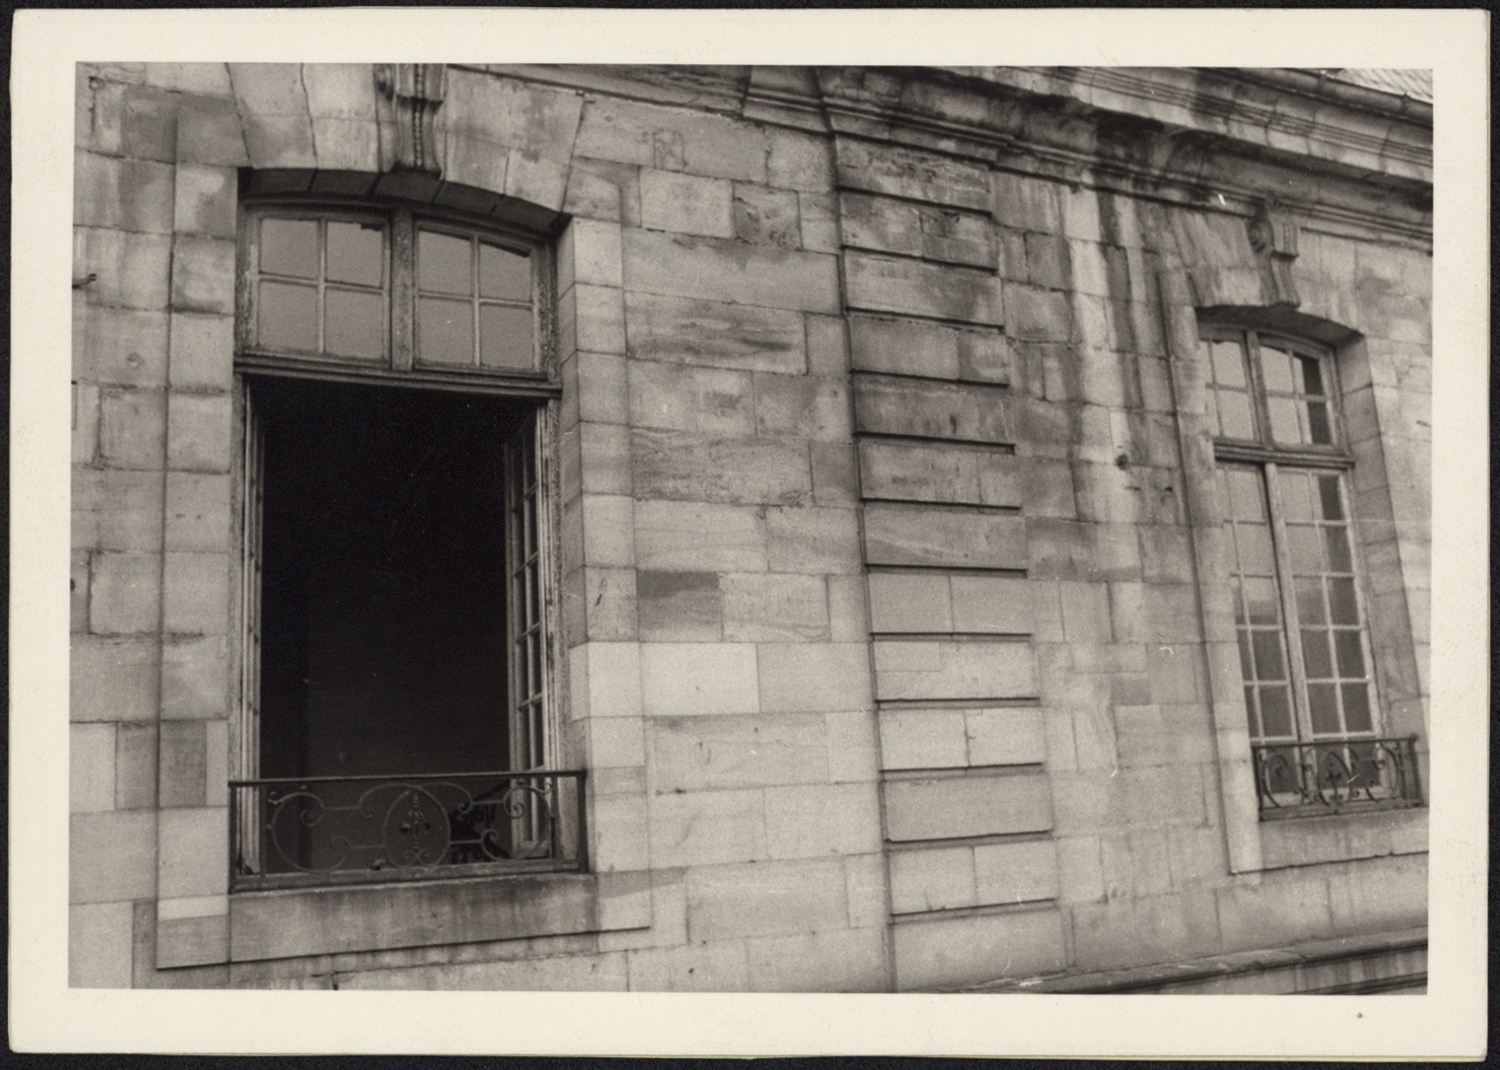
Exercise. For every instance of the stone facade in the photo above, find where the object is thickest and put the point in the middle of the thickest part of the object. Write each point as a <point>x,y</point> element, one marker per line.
<point>890,620</point>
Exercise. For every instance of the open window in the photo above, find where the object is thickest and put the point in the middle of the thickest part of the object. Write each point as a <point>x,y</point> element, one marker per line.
<point>396,660</point>
<point>1298,603</point>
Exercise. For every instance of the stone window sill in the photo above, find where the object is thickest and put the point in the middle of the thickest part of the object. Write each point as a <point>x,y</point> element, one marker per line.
<point>1343,837</point>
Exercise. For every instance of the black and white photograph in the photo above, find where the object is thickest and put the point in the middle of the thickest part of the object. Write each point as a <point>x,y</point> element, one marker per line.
<point>887,536</point>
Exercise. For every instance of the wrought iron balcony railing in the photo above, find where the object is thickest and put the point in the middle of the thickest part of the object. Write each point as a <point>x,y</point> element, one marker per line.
<point>347,830</point>
<point>1296,779</point>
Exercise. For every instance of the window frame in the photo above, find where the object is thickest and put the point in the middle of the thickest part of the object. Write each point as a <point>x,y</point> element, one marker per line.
<point>539,386</point>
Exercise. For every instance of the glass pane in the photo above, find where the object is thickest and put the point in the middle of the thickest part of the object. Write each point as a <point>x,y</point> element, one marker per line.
<point>289,247</point>
<point>1247,669</point>
<point>1324,703</point>
<point>1312,376</point>
<point>1255,729</point>
<point>1303,543</point>
<point>1276,367</point>
<point>355,323</point>
<point>1234,415</point>
<point>355,253</point>
<point>1336,542</point>
<point>1284,426</point>
<point>1310,602</point>
<point>1328,496</point>
<point>1268,660</point>
<point>1341,604</point>
<point>505,337</point>
<point>1315,654</point>
<point>1254,541</point>
<point>503,273</point>
<point>1357,708</point>
<point>1260,601</point>
<point>1319,429</point>
<point>445,331</point>
<point>287,317</point>
<point>1295,500</point>
<point>1351,655</point>
<point>1275,711</point>
<point>1239,604</point>
<point>444,263</point>
<point>1228,362</point>
<point>1244,495</point>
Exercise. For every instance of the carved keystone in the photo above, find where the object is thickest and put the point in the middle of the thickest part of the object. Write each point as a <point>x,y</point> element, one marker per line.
<point>415,92</point>
<point>1273,237</point>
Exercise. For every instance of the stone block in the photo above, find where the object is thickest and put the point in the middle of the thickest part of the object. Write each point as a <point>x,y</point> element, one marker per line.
<point>91,776</point>
<point>199,432</point>
<point>799,677</point>
<point>881,167</point>
<point>1048,264</point>
<point>112,679</point>
<point>115,509</point>
<point>205,201</point>
<point>682,679</point>
<point>600,385</point>
<point>820,228</point>
<point>812,539</point>
<point>687,330</point>
<point>798,161</point>
<point>194,678</point>
<point>699,536</point>
<point>936,669</point>
<point>937,351</point>
<point>766,899</point>
<point>197,516</point>
<point>136,766</point>
<point>192,941</point>
<point>932,878</point>
<point>724,751</point>
<point>112,856</point>
<point>209,131</point>
<point>1177,672</point>
<point>196,593</point>
<point>865,885</point>
<point>991,604</point>
<point>131,269</point>
<point>1064,549</point>
<point>910,602</point>
<point>1025,202</point>
<point>849,960</point>
<point>183,764</point>
<point>1020,872</point>
<point>1136,864</point>
<point>764,216</point>
<point>203,275</point>
<point>1080,869</point>
<point>774,607</point>
<point>803,407</point>
<point>202,351</point>
<point>1005,736</point>
<point>679,606</point>
<point>903,471</point>
<point>124,593</point>
<point>85,430</point>
<point>609,674</point>
<point>931,536</point>
<point>620,834</point>
<point>934,953</point>
<point>132,427</point>
<point>953,807</point>
<point>100,938</point>
<point>884,284</point>
<point>923,739</point>
<point>909,229</point>
<point>591,319</point>
<point>1085,612</point>
<point>715,270</point>
<point>812,820</point>
<point>1172,614</point>
<point>1038,315</point>
<point>608,530</point>
<point>590,254</point>
<point>672,138</point>
<point>1127,932</point>
<point>695,467</point>
<point>852,748</point>
<point>702,828</point>
<point>720,966</point>
<point>120,346</point>
<point>616,744</point>
<point>917,409</point>
<point>191,844</point>
<point>679,397</point>
<point>686,204</point>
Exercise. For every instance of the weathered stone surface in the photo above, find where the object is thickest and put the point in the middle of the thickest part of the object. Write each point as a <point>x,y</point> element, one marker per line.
<point>917,409</point>
<point>716,270</point>
<point>686,204</point>
<point>765,216</point>
<point>801,406</point>
<point>126,194</point>
<point>711,400</point>
<point>798,677</point>
<point>908,229</point>
<point>714,333</point>
<point>673,139</point>
<point>953,807</point>
<point>685,679</point>
<point>886,284</point>
<point>766,899</point>
<point>729,751</point>
<point>699,536</point>
<point>703,829</point>
<point>772,607</point>
<point>934,669</point>
<point>912,174</point>
<point>937,351</point>
<point>99,945</point>
<point>112,856</point>
<point>693,467</point>
<point>902,471</point>
<point>848,960</point>
<point>679,606</point>
<point>897,534</point>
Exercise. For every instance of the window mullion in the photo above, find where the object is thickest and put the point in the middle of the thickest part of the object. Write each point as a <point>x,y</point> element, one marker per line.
<point>1285,589</point>
<point>403,291</point>
<point>1256,382</point>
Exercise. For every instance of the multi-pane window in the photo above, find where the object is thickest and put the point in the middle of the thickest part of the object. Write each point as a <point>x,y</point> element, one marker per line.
<point>1304,651</point>
<point>396,644</point>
